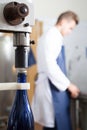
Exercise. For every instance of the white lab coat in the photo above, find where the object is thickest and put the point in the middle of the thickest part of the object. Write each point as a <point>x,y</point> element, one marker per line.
<point>49,46</point>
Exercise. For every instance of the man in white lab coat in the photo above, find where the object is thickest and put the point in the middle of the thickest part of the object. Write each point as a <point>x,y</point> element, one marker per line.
<point>51,101</point>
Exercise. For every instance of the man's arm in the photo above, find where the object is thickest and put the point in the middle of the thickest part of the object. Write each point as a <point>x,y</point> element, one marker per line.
<point>54,72</point>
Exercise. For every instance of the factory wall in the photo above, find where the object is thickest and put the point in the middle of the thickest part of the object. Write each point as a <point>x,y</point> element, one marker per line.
<point>52,8</point>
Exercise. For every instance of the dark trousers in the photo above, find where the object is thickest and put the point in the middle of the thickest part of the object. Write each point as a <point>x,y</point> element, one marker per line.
<point>61,103</point>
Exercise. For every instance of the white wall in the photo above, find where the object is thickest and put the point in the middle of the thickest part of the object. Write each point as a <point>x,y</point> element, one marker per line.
<point>52,8</point>
<point>76,56</point>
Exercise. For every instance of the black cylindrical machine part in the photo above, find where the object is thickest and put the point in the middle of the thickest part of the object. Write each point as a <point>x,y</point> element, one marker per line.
<point>21,57</point>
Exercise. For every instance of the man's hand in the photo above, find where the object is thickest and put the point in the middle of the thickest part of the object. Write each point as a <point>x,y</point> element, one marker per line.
<point>74,90</point>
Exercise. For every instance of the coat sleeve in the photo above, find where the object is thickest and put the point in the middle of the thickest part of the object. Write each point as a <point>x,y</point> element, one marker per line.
<point>53,71</point>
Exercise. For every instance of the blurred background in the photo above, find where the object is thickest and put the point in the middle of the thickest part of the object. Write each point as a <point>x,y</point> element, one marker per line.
<point>46,13</point>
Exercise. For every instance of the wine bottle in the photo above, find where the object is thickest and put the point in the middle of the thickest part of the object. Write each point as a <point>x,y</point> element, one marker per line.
<point>21,117</point>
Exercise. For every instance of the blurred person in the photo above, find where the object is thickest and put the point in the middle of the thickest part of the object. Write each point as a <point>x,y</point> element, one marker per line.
<point>53,91</point>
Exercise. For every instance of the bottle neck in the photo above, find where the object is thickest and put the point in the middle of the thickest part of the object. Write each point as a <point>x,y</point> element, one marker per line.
<point>21,93</point>
<point>21,77</point>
